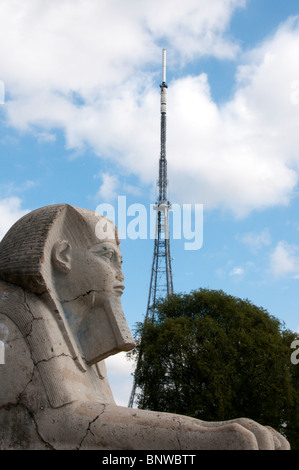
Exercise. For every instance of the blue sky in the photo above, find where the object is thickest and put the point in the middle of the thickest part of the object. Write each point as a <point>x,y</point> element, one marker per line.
<point>80,124</point>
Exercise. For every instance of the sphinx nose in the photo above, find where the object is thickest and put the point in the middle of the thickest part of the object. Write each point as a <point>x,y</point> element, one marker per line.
<point>119,275</point>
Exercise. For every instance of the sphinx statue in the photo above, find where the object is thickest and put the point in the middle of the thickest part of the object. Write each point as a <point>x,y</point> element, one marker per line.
<point>61,283</point>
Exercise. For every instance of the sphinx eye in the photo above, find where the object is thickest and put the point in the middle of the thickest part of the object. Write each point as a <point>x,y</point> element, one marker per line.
<point>107,254</point>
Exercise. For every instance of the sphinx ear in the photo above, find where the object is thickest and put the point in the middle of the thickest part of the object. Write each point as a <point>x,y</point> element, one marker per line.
<point>61,256</point>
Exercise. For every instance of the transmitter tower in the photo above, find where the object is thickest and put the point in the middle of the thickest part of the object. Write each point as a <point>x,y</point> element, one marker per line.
<point>161,283</point>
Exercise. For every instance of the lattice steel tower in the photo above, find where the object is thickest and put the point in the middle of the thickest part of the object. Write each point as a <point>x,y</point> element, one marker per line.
<point>161,284</point>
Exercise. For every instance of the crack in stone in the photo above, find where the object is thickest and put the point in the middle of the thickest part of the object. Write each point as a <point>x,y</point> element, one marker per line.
<point>40,437</point>
<point>7,406</point>
<point>52,357</point>
<point>42,293</point>
<point>27,384</point>
<point>178,434</point>
<point>78,297</point>
<point>27,305</point>
<point>89,426</point>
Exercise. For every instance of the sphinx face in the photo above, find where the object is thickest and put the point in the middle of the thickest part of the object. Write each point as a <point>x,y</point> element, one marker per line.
<point>105,275</point>
<point>88,280</point>
<point>95,271</point>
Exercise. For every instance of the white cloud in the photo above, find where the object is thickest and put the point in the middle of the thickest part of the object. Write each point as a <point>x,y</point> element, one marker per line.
<point>45,137</point>
<point>119,373</point>
<point>78,45</point>
<point>284,260</point>
<point>107,191</point>
<point>256,241</point>
<point>194,27</point>
<point>240,156</point>
<point>10,212</point>
<point>237,272</point>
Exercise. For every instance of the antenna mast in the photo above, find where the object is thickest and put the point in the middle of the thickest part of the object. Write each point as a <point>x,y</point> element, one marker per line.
<point>161,284</point>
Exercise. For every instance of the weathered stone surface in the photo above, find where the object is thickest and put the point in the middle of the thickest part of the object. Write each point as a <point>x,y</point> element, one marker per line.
<point>60,317</point>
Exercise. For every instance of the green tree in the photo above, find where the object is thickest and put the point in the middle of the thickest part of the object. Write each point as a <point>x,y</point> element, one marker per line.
<point>216,357</point>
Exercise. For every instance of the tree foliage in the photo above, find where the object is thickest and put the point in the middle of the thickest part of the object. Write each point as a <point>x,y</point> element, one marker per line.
<point>216,357</point>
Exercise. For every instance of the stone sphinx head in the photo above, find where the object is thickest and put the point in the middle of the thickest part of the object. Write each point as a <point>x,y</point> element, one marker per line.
<point>70,258</point>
